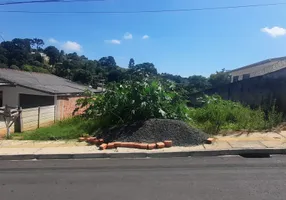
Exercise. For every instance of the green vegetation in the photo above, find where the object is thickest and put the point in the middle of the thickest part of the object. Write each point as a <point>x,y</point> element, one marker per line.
<point>217,114</point>
<point>136,101</point>
<point>133,101</point>
<point>64,130</point>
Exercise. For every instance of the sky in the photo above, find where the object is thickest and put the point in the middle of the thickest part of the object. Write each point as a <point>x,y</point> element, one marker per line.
<point>181,43</point>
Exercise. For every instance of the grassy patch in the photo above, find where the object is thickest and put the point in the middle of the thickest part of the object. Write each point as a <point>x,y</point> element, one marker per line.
<point>217,114</point>
<point>64,130</point>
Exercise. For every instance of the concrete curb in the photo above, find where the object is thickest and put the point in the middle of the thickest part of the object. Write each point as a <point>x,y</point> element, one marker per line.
<point>205,153</point>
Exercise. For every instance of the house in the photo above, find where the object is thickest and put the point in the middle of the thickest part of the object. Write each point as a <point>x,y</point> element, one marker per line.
<point>258,69</point>
<point>44,56</point>
<point>258,85</point>
<point>31,91</point>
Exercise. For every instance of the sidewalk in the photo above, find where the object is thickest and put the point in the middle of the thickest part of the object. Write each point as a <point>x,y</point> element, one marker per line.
<point>272,143</point>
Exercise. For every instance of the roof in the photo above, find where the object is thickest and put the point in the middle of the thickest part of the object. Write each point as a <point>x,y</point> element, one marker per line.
<point>259,63</point>
<point>47,83</point>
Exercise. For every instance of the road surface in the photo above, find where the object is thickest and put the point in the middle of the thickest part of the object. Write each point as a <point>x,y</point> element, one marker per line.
<point>215,178</point>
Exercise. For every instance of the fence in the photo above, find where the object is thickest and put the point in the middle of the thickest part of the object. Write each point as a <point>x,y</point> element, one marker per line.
<point>33,118</point>
<point>3,129</point>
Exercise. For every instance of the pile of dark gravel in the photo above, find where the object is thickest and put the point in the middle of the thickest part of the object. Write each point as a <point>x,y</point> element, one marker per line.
<point>157,130</point>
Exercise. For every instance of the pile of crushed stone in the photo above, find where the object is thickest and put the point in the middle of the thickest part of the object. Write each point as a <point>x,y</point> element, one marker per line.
<point>157,130</point>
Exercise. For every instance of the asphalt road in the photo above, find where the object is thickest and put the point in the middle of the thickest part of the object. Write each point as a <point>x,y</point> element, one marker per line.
<point>145,179</point>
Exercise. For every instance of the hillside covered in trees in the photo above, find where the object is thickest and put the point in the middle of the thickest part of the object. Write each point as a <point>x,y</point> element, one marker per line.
<point>32,55</point>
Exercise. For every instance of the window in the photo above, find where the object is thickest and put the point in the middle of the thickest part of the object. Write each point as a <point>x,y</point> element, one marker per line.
<point>32,101</point>
<point>246,76</point>
<point>235,79</point>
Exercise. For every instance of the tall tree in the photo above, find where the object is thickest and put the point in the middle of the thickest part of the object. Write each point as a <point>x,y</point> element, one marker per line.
<point>220,78</point>
<point>107,61</point>
<point>197,83</point>
<point>82,76</point>
<point>131,63</point>
<point>38,43</point>
<point>147,68</point>
<point>53,54</point>
<point>17,51</point>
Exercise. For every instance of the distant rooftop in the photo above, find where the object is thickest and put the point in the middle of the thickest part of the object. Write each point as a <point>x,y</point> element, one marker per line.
<point>259,63</point>
<point>47,83</point>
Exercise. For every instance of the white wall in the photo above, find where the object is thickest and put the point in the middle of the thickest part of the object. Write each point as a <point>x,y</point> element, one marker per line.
<point>11,94</point>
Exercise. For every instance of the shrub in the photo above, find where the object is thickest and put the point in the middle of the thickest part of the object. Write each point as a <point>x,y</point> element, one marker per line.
<point>14,67</point>
<point>27,68</point>
<point>3,65</point>
<point>134,101</point>
<point>273,118</point>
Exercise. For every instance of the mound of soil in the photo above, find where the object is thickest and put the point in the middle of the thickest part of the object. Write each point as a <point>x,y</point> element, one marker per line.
<point>156,130</point>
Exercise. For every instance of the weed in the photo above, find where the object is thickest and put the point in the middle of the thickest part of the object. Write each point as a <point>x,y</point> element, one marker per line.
<point>217,114</point>
<point>63,130</point>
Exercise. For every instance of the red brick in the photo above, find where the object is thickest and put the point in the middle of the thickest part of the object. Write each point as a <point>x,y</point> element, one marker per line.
<point>94,141</point>
<point>81,139</point>
<point>160,145</point>
<point>117,144</point>
<point>168,143</point>
<point>103,146</point>
<point>128,144</point>
<point>152,146</point>
<point>110,145</point>
<point>66,107</point>
<point>143,146</point>
<point>100,141</point>
<point>209,140</point>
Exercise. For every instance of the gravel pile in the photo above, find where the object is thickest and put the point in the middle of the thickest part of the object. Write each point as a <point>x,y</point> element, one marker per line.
<point>156,130</point>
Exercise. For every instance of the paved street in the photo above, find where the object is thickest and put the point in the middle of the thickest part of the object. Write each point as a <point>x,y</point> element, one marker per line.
<point>143,179</point>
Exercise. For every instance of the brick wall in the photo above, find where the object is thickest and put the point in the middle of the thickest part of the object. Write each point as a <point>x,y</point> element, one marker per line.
<point>66,107</point>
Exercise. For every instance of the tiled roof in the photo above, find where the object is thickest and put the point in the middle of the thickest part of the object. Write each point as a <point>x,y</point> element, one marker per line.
<point>259,63</point>
<point>47,83</point>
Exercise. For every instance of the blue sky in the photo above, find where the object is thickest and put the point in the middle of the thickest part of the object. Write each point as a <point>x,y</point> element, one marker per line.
<point>183,43</point>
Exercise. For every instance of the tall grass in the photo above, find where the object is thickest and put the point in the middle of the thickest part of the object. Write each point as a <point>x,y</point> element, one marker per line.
<point>63,130</point>
<point>217,114</point>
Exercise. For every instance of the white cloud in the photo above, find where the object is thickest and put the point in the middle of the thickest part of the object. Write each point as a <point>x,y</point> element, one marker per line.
<point>72,46</point>
<point>145,37</point>
<point>113,41</point>
<point>127,36</point>
<point>274,31</point>
<point>53,41</point>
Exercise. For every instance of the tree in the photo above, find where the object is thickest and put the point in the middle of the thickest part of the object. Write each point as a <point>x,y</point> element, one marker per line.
<point>131,63</point>
<point>107,61</point>
<point>17,51</point>
<point>146,68</point>
<point>3,54</point>
<point>62,56</point>
<point>82,76</point>
<point>38,43</point>
<point>114,75</point>
<point>53,54</point>
<point>197,83</point>
<point>220,78</point>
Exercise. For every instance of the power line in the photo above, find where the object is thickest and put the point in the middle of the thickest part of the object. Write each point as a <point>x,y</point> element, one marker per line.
<point>1,36</point>
<point>45,1</point>
<point>145,11</point>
